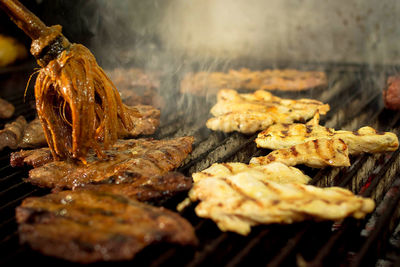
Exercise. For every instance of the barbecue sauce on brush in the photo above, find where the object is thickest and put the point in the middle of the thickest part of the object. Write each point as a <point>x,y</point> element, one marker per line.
<point>78,105</point>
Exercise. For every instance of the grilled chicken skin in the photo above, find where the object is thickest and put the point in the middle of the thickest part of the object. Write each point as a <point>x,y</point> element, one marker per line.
<point>316,153</point>
<point>248,113</point>
<point>239,201</point>
<point>364,140</point>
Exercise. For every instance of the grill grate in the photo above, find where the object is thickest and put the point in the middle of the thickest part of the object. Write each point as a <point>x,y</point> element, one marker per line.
<point>355,99</point>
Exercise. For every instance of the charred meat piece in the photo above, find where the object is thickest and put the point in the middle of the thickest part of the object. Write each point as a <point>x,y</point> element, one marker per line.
<point>34,157</point>
<point>145,120</point>
<point>239,201</point>
<point>136,86</point>
<point>317,153</point>
<point>154,189</point>
<point>364,140</point>
<point>6,109</point>
<point>204,83</point>
<point>33,135</point>
<point>126,161</point>
<point>86,226</point>
<point>391,93</point>
<point>20,134</point>
<point>12,133</point>
<point>248,113</point>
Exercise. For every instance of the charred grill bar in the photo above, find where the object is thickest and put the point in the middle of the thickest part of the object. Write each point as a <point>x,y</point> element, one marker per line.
<point>355,98</point>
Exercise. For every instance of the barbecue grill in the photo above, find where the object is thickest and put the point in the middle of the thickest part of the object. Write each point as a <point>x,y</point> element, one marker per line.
<point>354,92</point>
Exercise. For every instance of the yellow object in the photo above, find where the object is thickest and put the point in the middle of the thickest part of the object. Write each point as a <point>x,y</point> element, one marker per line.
<point>11,50</point>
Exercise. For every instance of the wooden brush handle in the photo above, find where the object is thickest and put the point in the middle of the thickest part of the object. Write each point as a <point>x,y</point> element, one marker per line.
<point>47,42</point>
<point>24,19</point>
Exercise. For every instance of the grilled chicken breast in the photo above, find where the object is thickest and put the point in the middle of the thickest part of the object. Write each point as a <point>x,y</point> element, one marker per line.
<point>248,113</point>
<point>364,140</point>
<point>237,202</point>
<point>275,171</point>
<point>316,153</point>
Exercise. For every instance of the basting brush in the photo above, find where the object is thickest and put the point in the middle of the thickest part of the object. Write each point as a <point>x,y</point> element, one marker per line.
<point>77,104</point>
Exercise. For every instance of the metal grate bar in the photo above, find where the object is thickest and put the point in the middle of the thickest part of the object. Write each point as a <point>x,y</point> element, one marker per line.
<point>368,252</point>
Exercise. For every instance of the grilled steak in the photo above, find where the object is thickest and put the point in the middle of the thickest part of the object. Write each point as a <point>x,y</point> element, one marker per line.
<point>391,94</point>
<point>33,135</point>
<point>33,157</point>
<point>12,133</point>
<point>203,83</point>
<point>6,109</point>
<point>154,189</point>
<point>87,226</point>
<point>145,119</point>
<point>20,134</point>
<point>126,161</point>
<point>136,86</point>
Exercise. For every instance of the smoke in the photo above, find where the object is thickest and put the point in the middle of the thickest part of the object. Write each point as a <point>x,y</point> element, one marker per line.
<point>179,36</point>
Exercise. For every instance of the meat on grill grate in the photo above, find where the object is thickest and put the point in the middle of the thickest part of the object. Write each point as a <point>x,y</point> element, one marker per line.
<point>249,113</point>
<point>364,140</point>
<point>355,100</point>
<point>316,153</point>
<point>87,226</point>
<point>126,161</point>
<point>153,189</point>
<point>6,109</point>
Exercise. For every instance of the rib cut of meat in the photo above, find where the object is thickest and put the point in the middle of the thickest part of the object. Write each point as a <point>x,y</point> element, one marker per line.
<point>88,226</point>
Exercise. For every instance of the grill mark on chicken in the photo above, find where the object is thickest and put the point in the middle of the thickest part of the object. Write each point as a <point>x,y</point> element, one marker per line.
<point>248,113</point>
<point>315,153</point>
<point>294,151</point>
<point>239,190</point>
<point>363,140</point>
<point>239,201</point>
<point>228,167</point>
